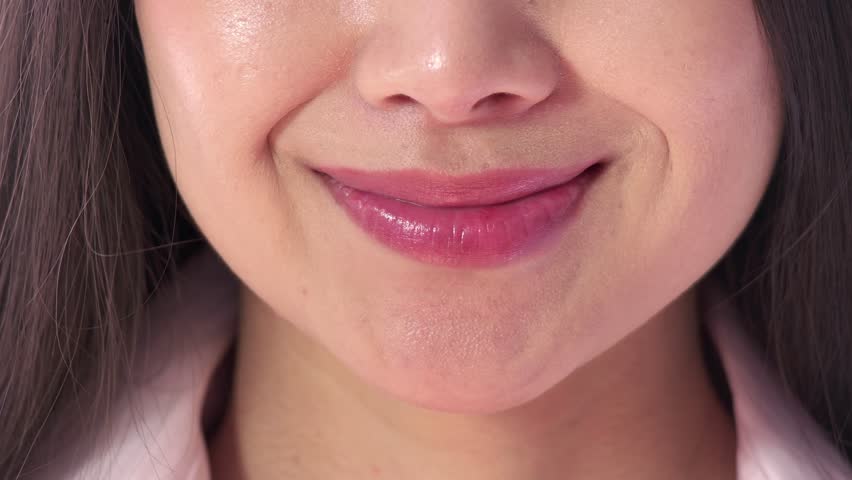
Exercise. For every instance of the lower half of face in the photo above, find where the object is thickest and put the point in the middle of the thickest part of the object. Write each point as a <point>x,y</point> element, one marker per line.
<point>673,102</point>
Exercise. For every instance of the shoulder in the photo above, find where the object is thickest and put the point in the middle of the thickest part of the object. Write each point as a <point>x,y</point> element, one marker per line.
<point>776,438</point>
<point>156,429</point>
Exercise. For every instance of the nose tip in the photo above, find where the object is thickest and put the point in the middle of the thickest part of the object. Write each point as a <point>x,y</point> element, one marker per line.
<point>458,67</point>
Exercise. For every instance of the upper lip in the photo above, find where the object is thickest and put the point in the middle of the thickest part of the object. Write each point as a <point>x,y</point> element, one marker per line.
<point>434,189</point>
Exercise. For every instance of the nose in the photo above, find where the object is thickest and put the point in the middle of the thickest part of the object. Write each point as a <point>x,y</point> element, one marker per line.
<point>456,61</point>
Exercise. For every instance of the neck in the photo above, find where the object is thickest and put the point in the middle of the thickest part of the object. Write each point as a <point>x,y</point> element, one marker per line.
<point>632,412</point>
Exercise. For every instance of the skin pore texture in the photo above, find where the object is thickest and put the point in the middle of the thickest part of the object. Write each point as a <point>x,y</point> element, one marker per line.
<point>579,361</point>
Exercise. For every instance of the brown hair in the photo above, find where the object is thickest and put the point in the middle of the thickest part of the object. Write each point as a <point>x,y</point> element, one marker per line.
<point>91,224</point>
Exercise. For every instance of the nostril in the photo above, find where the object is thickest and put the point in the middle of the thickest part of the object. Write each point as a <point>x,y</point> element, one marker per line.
<point>458,109</point>
<point>398,99</point>
<point>494,98</point>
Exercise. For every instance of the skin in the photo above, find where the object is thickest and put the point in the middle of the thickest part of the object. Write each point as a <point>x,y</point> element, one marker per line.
<point>355,362</point>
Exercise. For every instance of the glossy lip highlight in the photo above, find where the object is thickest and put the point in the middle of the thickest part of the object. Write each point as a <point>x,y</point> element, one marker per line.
<point>479,220</point>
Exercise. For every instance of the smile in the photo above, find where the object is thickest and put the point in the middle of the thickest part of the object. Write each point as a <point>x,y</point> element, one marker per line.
<point>480,220</point>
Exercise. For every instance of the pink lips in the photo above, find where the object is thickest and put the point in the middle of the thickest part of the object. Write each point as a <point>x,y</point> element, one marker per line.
<point>478,220</point>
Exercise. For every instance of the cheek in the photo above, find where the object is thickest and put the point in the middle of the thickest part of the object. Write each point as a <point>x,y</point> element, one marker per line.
<point>225,72</point>
<point>699,78</point>
<point>696,81</point>
<point>221,81</point>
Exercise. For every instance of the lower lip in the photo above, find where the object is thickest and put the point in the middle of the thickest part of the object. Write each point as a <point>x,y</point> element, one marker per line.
<point>475,236</point>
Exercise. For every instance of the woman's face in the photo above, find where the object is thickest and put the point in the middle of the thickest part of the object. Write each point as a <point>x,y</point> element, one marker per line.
<point>676,98</point>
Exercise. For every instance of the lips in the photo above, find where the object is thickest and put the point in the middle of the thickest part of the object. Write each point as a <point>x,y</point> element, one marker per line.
<point>479,220</point>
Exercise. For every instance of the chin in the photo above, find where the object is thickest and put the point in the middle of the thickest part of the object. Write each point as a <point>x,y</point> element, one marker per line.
<point>480,385</point>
